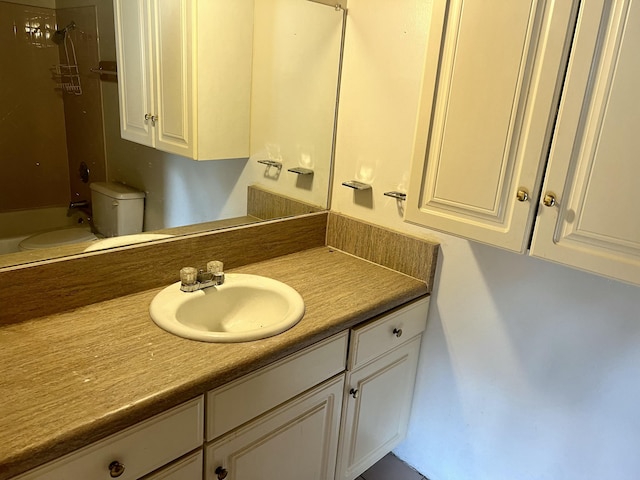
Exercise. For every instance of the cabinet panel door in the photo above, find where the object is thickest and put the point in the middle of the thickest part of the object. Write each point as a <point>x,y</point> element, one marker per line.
<point>377,404</point>
<point>489,97</point>
<point>174,30</point>
<point>135,73</point>
<point>594,165</point>
<point>295,441</point>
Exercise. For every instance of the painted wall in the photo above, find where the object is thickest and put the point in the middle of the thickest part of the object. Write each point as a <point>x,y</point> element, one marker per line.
<point>528,369</point>
<point>295,76</point>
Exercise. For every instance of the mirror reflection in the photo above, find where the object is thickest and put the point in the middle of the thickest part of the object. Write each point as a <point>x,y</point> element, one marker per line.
<point>60,131</point>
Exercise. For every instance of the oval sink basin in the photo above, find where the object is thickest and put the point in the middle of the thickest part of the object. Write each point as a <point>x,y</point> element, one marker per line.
<point>125,240</point>
<point>244,308</point>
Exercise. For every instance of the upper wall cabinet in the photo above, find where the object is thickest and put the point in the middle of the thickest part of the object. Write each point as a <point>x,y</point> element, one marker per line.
<point>185,75</point>
<point>590,213</point>
<point>490,98</point>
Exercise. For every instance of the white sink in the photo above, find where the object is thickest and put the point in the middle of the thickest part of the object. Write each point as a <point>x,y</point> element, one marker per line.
<point>125,240</point>
<point>244,308</point>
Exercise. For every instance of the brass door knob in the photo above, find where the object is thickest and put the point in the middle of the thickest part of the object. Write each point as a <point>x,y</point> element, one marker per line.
<point>522,195</point>
<point>221,473</point>
<point>549,200</point>
<point>397,332</point>
<point>116,469</point>
<point>354,392</point>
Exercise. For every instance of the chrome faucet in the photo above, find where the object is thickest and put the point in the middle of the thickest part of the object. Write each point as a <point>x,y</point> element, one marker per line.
<point>193,280</point>
<point>83,209</point>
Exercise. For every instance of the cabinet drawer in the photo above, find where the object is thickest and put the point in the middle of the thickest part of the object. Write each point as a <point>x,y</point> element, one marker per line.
<point>244,399</point>
<point>377,337</point>
<point>188,468</point>
<point>141,448</point>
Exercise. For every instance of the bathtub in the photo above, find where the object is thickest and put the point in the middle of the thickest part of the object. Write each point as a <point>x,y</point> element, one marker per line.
<point>16,226</point>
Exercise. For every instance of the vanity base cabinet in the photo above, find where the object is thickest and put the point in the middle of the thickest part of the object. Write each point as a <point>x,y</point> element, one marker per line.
<point>379,389</point>
<point>297,440</point>
<point>328,411</point>
<point>377,404</point>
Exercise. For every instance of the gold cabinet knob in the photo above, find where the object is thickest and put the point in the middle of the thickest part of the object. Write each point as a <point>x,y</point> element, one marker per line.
<point>549,200</point>
<point>522,195</point>
<point>116,469</point>
<point>221,473</point>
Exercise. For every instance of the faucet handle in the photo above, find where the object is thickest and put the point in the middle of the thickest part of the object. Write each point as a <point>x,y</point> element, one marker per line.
<point>215,266</point>
<point>188,275</point>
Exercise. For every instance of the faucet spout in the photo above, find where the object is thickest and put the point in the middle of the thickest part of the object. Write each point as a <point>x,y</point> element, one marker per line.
<point>82,205</point>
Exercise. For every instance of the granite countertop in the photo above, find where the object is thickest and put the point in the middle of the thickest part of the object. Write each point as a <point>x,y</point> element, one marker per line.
<point>73,378</point>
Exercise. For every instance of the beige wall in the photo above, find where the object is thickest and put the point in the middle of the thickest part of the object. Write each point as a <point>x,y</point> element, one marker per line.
<point>296,55</point>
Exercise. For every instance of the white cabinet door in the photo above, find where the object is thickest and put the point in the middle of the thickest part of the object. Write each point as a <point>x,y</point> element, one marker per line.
<point>594,165</point>
<point>135,70</point>
<point>377,405</point>
<point>295,441</point>
<point>173,32</point>
<point>154,41</point>
<point>489,97</point>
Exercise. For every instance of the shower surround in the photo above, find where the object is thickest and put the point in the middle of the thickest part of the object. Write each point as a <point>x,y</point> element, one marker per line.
<point>45,134</point>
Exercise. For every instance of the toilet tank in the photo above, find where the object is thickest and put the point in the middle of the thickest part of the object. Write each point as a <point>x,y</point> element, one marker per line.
<point>117,208</point>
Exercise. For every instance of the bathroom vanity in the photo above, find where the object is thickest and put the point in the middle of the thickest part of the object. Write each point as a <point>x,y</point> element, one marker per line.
<point>337,386</point>
<point>344,400</point>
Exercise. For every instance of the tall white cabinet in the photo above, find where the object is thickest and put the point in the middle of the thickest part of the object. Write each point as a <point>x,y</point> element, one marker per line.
<point>534,92</point>
<point>182,89</point>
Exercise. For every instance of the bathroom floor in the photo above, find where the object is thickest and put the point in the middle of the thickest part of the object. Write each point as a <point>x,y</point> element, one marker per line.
<point>391,468</point>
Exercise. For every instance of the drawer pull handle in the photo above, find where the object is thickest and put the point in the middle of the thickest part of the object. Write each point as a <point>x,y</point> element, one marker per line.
<point>221,473</point>
<point>116,469</point>
<point>397,332</point>
<point>354,392</point>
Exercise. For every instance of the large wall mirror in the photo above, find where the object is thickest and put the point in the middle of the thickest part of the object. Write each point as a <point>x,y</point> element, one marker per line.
<point>60,124</point>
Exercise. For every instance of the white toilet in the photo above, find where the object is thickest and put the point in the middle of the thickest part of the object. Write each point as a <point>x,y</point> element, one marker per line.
<point>117,210</point>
